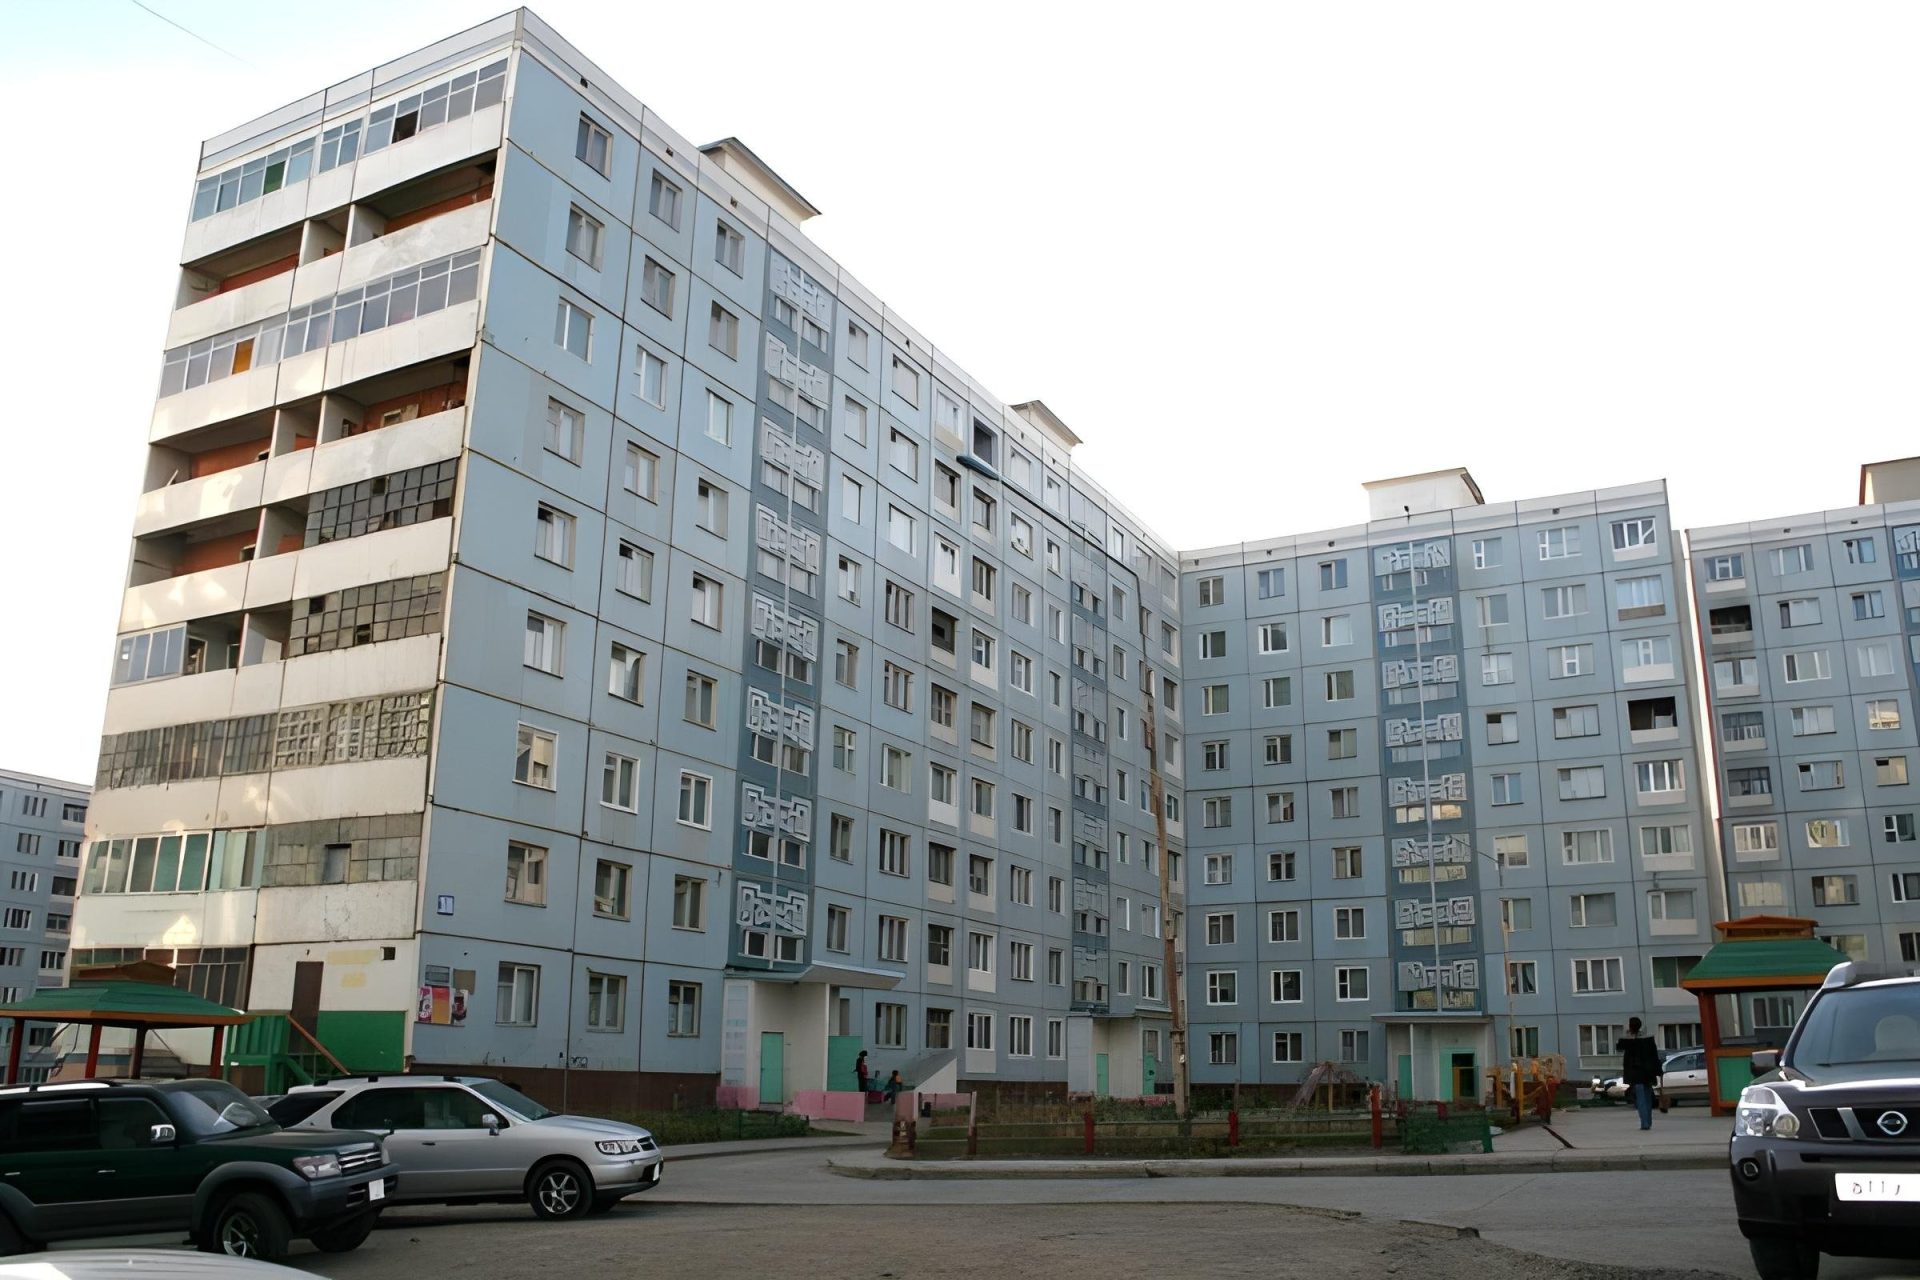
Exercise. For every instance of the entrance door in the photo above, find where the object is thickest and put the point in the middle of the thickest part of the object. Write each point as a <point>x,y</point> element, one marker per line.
<point>773,1067</point>
<point>1406,1075</point>
<point>1149,1074</point>
<point>1465,1078</point>
<point>1100,1074</point>
<point>842,1052</point>
<point>305,1009</point>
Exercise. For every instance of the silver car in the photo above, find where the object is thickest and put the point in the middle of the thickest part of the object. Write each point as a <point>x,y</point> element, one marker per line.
<point>1683,1078</point>
<point>471,1140</point>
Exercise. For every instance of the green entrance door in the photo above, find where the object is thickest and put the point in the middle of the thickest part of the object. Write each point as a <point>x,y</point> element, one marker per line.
<point>1100,1074</point>
<point>842,1053</point>
<point>1149,1073</point>
<point>773,1067</point>
<point>1406,1075</point>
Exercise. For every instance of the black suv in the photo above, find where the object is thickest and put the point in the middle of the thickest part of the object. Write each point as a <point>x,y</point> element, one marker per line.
<point>1826,1142</point>
<point>120,1157</point>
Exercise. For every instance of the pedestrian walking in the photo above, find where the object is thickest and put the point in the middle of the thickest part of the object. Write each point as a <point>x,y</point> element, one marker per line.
<point>860,1071</point>
<point>893,1086</point>
<point>1640,1068</point>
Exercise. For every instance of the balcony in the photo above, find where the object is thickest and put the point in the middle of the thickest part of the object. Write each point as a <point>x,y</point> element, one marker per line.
<point>1732,624</point>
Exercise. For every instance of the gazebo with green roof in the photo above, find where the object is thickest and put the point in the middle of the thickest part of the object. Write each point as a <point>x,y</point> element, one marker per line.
<point>140,997</point>
<point>1754,954</point>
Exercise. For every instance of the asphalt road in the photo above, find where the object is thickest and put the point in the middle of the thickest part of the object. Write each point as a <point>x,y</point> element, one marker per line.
<point>784,1213</point>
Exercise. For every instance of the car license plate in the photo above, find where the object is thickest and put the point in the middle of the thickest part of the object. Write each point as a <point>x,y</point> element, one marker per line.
<point>377,1189</point>
<point>1858,1186</point>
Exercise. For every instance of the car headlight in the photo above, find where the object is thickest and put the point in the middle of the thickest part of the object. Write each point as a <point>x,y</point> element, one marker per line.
<point>327,1166</point>
<point>1763,1115</point>
<point>620,1147</point>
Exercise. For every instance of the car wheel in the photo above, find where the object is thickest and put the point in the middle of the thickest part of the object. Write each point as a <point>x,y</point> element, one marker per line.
<point>1783,1258</point>
<point>248,1225</point>
<point>560,1189</point>
<point>345,1237</point>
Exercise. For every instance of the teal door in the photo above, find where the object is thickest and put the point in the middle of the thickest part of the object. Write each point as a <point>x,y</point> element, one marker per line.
<point>1406,1075</point>
<point>1100,1074</point>
<point>1149,1073</point>
<point>773,1067</point>
<point>842,1053</point>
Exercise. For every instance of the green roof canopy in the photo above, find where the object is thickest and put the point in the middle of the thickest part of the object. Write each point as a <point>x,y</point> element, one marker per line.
<point>123,1004</point>
<point>1758,961</point>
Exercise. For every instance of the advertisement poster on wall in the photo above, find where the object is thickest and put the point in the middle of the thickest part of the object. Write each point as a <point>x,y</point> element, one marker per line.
<point>443,996</point>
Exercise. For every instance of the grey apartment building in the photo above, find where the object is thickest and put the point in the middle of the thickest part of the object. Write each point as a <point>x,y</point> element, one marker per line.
<point>808,712</point>
<point>1811,626</point>
<point>1446,804</point>
<point>41,822</point>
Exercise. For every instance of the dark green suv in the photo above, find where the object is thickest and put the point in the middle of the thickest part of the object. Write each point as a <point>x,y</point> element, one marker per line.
<point>123,1157</point>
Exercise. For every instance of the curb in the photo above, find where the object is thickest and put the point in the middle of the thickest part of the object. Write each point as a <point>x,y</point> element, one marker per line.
<point>1458,1166</point>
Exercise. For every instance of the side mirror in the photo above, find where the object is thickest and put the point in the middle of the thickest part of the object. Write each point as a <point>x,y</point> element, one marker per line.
<point>492,1122</point>
<point>161,1135</point>
<point>1765,1060</point>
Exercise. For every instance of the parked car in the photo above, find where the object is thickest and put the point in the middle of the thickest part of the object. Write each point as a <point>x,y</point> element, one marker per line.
<point>471,1140</point>
<point>123,1157</point>
<point>146,1264</point>
<point>1826,1140</point>
<point>1683,1078</point>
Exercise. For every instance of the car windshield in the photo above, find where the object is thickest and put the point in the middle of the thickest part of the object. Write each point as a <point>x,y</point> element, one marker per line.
<point>1858,1025</point>
<point>218,1107</point>
<point>510,1099</point>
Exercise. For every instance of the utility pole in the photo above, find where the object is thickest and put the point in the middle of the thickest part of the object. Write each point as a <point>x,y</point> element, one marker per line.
<point>1177,1033</point>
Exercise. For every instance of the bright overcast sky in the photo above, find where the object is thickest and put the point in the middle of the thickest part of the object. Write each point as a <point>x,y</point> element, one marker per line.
<point>1253,254</point>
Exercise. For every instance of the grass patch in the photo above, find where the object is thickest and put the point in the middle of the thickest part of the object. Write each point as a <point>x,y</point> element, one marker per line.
<point>679,1128</point>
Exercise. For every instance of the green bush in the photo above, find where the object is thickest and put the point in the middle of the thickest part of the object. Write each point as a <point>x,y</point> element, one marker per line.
<point>678,1128</point>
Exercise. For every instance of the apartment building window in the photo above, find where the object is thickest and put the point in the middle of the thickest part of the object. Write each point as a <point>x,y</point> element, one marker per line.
<point>1657,777</point>
<point>683,1009</point>
<point>1868,605</point>
<point>1213,591</point>
<point>1333,575</point>
<point>1756,839</point>
<point>1821,775</point>
<point>553,535</point>
<point>1275,691</point>
<point>1875,659</point>
<point>1523,978</point>
<point>1630,535</point>
<point>696,800</point>
<point>1349,922</point>
<point>1269,583</point>
<point>1344,802</point>
<point>1836,891</point>
<point>702,693</point>
<point>892,944</point>
<point>1666,841</point>
<point>895,768</point>
<point>1220,928</point>
<point>1286,986</point>
<point>533,757</point>
<point>1223,987</point>
<point>1488,553</point>
<point>1586,847</point>
<point>896,853</point>
<point>1516,915</point>
<point>1640,597</point>
<point>573,329</point>
<point>1598,975</point>
<point>1339,686</point>
<point>1810,721</point>
<point>565,429</point>
<point>729,248</point>
<point>1506,789</point>
<point>1671,904</point>
<point>1281,865</point>
<point>1643,653</point>
<point>723,331</point>
<point>1279,749</point>
<point>1592,911</point>
<point>620,782</point>
<point>612,889</point>
<point>1510,850</point>
<point>1216,811</point>
<point>706,601</point>
<point>1502,727</point>
<point>656,287</point>
<point>1336,631</point>
<point>1283,925</point>
<point>1343,744</point>
<point>1827,833</point>
<point>939,945</point>
<point>1561,543</point>
<point>1493,611</point>
<point>1563,602</point>
<point>1890,771</point>
<point>526,874</point>
<point>1788,561</point>
<point>1735,673</point>
<point>518,1003</point>
<point>1568,660</point>
<point>1496,668</point>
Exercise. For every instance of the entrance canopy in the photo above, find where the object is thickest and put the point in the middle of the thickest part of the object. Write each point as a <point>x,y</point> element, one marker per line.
<point>140,997</point>
<point>1754,954</point>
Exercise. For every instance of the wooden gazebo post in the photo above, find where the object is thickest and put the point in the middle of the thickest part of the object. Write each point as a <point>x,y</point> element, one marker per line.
<point>13,1050</point>
<point>93,1052</point>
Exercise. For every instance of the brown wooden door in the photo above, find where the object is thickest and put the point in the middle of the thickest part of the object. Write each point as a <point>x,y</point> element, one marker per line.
<point>306,993</point>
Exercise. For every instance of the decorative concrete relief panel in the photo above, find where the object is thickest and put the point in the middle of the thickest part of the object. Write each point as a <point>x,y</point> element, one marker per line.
<point>1399,673</point>
<point>1412,733</point>
<point>765,716</point>
<point>795,632</point>
<point>1437,612</point>
<point>783,451</point>
<point>1401,557</point>
<point>788,281</point>
<point>1459,975</point>
<point>1421,853</point>
<point>771,907</point>
<point>1420,913</point>
<point>796,545</point>
<point>791,816</point>
<point>810,379</point>
<point>1448,786</point>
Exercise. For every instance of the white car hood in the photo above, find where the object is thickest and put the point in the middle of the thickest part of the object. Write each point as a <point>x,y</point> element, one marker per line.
<point>591,1127</point>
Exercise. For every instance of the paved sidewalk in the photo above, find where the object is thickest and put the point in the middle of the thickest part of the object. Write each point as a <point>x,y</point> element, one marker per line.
<point>1577,1141</point>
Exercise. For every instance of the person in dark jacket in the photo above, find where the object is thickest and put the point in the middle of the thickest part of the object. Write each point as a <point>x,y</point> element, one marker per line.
<point>1640,1068</point>
<point>860,1073</point>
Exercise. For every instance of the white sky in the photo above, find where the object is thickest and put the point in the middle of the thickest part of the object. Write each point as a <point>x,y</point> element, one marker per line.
<point>1253,254</point>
